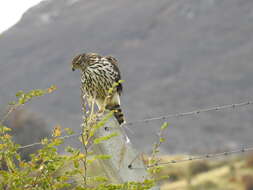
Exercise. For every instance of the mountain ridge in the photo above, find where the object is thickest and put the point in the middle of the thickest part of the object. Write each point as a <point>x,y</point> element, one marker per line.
<point>175,56</point>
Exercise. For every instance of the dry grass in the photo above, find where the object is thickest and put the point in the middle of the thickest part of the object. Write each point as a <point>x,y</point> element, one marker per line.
<point>232,174</point>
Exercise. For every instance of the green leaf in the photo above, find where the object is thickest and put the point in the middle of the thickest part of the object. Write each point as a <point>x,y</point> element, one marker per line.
<point>21,101</point>
<point>76,163</point>
<point>104,138</point>
<point>19,93</point>
<point>164,126</point>
<point>12,103</point>
<point>102,156</point>
<point>69,149</point>
<point>44,141</point>
<point>100,179</point>
<point>69,131</point>
<point>5,129</point>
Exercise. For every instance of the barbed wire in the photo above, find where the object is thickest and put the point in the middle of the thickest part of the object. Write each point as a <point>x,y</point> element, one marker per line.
<point>202,157</point>
<point>190,113</point>
<point>40,143</point>
<point>182,114</point>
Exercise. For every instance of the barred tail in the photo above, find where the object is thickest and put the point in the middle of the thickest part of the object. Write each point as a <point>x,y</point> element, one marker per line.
<point>118,114</point>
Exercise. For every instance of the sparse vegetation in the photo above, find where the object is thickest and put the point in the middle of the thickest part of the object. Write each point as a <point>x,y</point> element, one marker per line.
<point>27,128</point>
<point>46,168</point>
<point>77,169</point>
<point>232,174</point>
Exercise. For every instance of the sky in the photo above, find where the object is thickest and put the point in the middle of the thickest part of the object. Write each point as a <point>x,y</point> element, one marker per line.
<point>12,10</point>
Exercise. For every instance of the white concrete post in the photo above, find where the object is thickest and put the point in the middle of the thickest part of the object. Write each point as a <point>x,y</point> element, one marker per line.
<point>122,154</point>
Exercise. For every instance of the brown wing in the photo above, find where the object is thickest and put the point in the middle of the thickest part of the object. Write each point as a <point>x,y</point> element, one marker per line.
<point>92,57</point>
<point>116,68</point>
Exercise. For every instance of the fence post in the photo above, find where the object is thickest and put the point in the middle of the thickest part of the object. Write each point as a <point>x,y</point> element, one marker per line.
<point>122,153</point>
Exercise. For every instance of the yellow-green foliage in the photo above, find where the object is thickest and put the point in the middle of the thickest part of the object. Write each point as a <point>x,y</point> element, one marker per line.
<point>49,170</point>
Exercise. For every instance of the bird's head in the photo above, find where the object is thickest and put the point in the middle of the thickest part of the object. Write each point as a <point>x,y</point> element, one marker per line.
<point>78,62</point>
<point>84,60</point>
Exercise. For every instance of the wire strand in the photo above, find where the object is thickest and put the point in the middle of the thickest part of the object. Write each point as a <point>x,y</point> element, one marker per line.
<point>183,114</point>
<point>40,143</point>
<point>190,113</point>
<point>201,157</point>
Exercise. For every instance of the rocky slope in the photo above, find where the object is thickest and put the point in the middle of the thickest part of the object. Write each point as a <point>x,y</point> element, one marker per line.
<point>176,55</point>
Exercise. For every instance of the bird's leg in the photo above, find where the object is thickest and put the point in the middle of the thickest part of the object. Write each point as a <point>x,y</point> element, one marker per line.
<point>101,106</point>
<point>92,106</point>
<point>101,111</point>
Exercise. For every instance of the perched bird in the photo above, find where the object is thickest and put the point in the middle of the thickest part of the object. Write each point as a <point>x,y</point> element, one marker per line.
<point>98,75</point>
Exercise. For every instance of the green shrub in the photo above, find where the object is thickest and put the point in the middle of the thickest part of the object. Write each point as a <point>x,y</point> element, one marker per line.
<point>44,170</point>
<point>23,124</point>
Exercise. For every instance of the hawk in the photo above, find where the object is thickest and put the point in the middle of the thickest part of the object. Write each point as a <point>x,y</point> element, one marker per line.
<point>98,75</point>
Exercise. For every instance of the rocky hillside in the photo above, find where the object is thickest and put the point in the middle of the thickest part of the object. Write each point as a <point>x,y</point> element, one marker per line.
<point>176,55</point>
